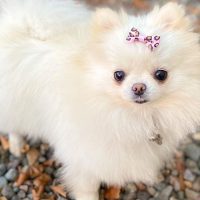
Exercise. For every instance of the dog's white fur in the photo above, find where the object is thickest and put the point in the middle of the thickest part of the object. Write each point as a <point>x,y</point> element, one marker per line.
<point>57,61</point>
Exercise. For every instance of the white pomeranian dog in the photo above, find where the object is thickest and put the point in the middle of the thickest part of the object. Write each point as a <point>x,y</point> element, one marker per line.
<point>113,94</point>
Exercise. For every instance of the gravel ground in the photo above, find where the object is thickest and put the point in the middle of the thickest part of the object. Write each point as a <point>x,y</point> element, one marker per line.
<point>141,6</point>
<point>36,175</point>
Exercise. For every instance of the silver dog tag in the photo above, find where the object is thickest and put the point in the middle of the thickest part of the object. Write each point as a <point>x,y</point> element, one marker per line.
<point>157,139</point>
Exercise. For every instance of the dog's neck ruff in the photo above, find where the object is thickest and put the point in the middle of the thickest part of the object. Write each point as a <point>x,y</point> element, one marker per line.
<point>152,42</point>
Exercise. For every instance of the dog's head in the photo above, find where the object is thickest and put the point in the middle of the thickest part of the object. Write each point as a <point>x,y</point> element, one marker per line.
<point>134,74</point>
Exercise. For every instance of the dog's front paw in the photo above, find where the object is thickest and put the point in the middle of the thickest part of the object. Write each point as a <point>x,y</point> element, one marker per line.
<point>87,196</point>
<point>16,144</point>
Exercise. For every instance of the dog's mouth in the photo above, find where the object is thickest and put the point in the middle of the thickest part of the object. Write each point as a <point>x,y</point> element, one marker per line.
<point>140,100</point>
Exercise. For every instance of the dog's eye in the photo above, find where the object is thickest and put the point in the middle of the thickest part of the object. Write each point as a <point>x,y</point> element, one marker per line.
<point>160,75</point>
<point>119,75</point>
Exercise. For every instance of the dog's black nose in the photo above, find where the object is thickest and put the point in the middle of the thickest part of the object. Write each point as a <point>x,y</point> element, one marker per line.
<point>139,88</point>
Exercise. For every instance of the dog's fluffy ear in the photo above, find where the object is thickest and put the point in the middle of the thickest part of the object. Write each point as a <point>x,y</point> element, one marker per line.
<point>104,20</point>
<point>171,16</point>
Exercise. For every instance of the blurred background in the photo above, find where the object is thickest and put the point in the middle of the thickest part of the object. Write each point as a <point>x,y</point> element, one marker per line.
<point>35,175</point>
<point>141,6</point>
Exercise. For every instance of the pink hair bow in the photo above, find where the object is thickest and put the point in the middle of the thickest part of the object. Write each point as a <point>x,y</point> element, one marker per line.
<point>151,42</point>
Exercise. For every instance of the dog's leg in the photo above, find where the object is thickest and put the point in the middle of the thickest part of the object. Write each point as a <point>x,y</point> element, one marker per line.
<point>88,196</point>
<point>86,189</point>
<point>16,143</point>
<point>84,186</point>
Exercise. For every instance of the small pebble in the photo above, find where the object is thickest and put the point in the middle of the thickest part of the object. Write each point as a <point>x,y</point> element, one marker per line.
<point>24,162</point>
<point>151,191</point>
<point>28,183</point>
<point>165,193</point>
<point>175,182</point>
<point>48,189</point>
<point>192,195</point>
<point>196,185</point>
<point>15,189</point>
<point>129,191</point>
<point>49,170</point>
<point>49,154</point>
<point>3,182</point>
<point>11,174</point>
<point>193,152</point>
<point>43,149</point>
<point>60,198</point>
<point>13,164</point>
<point>35,143</point>
<point>21,194</point>
<point>174,172</point>
<point>15,197</point>
<point>190,164</point>
<point>198,163</point>
<point>173,198</point>
<point>130,187</point>
<point>7,191</point>
<point>41,159</point>
<point>196,171</point>
<point>160,186</point>
<point>56,174</point>
<point>30,196</point>
<point>2,169</point>
<point>177,186</point>
<point>188,175</point>
<point>143,195</point>
<point>181,195</point>
<point>161,178</point>
<point>24,188</point>
<point>12,157</point>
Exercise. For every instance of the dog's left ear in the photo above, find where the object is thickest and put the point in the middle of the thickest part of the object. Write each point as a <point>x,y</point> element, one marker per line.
<point>171,16</point>
<point>104,20</point>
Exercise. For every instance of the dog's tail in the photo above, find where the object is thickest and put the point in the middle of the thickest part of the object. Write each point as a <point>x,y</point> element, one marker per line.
<point>42,19</point>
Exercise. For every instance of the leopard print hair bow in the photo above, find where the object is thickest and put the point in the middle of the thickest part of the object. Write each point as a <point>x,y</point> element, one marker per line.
<point>151,42</point>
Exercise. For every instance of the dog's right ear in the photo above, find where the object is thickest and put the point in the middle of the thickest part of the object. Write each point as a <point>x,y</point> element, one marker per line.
<point>171,16</point>
<point>104,20</point>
